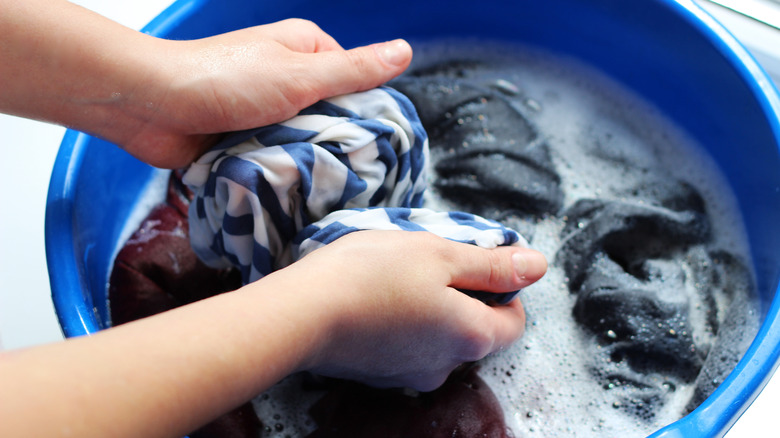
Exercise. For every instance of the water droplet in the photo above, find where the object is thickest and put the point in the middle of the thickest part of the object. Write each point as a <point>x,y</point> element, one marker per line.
<point>533,105</point>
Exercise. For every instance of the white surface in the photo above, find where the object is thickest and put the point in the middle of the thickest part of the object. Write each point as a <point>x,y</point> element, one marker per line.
<point>29,149</point>
<point>765,11</point>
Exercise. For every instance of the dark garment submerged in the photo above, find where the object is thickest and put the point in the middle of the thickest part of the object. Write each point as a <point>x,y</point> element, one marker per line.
<point>622,258</point>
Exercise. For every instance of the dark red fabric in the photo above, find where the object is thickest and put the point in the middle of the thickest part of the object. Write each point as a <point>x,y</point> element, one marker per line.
<point>157,270</point>
<point>463,407</point>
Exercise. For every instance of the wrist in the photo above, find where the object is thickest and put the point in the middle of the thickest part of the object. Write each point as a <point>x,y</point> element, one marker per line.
<point>68,65</point>
<point>122,79</point>
<point>296,332</point>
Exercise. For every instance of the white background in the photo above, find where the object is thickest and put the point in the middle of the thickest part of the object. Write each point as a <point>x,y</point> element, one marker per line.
<point>29,148</point>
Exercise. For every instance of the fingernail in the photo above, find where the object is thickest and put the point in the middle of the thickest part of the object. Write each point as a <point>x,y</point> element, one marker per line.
<point>530,265</point>
<point>520,263</point>
<point>396,52</point>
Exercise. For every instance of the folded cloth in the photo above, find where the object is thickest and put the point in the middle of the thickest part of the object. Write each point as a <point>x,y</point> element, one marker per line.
<point>266,197</point>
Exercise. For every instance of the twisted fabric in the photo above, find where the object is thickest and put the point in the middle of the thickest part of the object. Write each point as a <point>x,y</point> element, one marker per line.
<point>268,196</point>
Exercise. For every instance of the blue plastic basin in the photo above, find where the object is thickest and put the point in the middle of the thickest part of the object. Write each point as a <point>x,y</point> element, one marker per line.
<point>670,52</point>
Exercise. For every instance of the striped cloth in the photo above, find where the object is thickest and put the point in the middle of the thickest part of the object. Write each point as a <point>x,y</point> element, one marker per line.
<point>268,196</point>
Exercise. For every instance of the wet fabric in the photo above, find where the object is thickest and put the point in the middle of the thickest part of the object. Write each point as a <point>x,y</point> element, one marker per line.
<point>625,260</point>
<point>621,256</point>
<point>266,197</point>
<point>156,269</point>
<point>464,406</point>
<point>487,148</point>
<point>650,288</point>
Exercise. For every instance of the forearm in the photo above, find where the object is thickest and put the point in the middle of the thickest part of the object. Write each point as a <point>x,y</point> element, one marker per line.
<point>162,376</point>
<point>65,64</point>
<point>167,101</point>
<point>395,320</point>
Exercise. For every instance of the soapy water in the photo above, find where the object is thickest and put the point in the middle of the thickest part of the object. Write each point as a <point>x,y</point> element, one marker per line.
<point>570,376</point>
<point>584,170</point>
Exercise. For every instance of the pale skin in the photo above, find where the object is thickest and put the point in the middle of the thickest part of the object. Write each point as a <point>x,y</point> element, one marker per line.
<point>393,320</point>
<point>164,101</point>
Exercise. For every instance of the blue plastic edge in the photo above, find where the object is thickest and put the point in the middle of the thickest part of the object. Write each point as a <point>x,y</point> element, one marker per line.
<point>79,320</point>
<point>60,249</point>
<point>718,413</point>
<point>172,16</point>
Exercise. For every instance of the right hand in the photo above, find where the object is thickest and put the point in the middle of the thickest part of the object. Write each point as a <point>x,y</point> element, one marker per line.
<point>397,319</point>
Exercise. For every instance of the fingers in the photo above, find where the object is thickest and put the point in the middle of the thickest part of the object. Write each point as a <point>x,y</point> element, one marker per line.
<point>496,329</point>
<point>508,323</point>
<point>502,269</point>
<point>335,70</point>
<point>400,320</point>
<point>424,381</point>
<point>306,37</point>
<point>487,329</point>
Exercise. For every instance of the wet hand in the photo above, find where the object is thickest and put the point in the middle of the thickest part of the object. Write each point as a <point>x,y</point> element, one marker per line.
<point>245,79</point>
<point>397,316</point>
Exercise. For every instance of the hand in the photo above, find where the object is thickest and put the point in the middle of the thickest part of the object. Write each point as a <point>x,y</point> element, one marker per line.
<point>398,319</point>
<point>245,79</point>
<point>166,101</point>
<point>374,306</point>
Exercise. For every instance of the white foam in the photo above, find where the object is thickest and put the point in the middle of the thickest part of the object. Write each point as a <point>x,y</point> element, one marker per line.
<point>152,194</point>
<point>544,381</point>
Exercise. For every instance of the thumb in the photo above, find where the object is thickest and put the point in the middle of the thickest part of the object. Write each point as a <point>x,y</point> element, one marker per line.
<point>361,68</point>
<point>502,269</point>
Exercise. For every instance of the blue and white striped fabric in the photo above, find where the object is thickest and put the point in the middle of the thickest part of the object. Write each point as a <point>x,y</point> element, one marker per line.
<point>268,196</point>
<point>457,226</point>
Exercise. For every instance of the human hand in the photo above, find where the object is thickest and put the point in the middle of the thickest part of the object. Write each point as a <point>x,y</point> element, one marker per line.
<point>397,318</point>
<point>166,101</point>
<point>245,79</point>
<point>378,307</point>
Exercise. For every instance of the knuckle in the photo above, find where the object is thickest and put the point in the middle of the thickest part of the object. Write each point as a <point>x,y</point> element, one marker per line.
<point>302,24</point>
<point>477,344</point>
<point>359,62</point>
<point>496,269</point>
<point>429,382</point>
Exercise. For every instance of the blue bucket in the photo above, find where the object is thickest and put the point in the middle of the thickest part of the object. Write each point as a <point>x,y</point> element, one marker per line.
<point>670,52</point>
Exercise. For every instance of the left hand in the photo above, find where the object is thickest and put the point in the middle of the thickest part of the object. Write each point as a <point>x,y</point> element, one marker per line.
<point>166,101</point>
<point>245,79</point>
